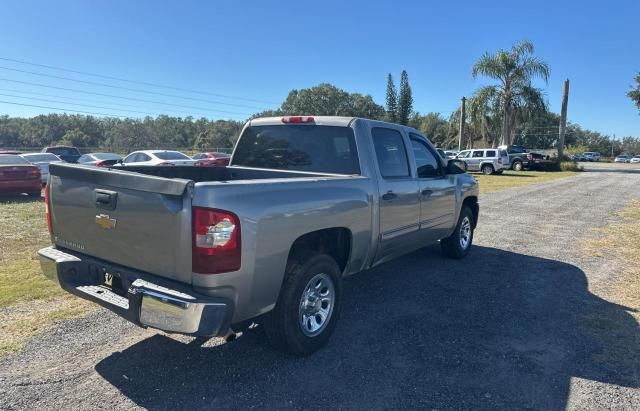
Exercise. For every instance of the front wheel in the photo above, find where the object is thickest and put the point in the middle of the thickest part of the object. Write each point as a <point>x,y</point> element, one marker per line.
<point>517,166</point>
<point>307,310</point>
<point>457,245</point>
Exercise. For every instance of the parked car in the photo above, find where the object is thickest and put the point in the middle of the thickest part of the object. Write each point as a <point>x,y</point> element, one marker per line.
<point>623,158</point>
<point>577,157</point>
<point>99,159</point>
<point>17,176</point>
<point>591,156</point>
<point>68,154</point>
<point>200,250</point>
<point>12,152</point>
<point>451,153</point>
<point>487,160</point>
<point>212,159</point>
<point>42,161</point>
<point>521,158</point>
<point>635,160</point>
<point>156,158</point>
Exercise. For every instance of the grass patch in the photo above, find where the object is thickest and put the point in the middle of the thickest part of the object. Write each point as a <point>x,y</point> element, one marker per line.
<point>621,241</point>
<point>29,302</point>
<point>508,179</point>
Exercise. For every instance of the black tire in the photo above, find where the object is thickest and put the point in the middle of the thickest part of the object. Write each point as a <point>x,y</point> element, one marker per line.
<point>487,169</point>
<point>283,325</point>
<point>499,171</point>
<point>452,246</point>
<point>517,165</point>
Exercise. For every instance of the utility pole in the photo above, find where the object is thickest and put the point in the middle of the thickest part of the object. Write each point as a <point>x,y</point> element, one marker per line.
<point>612,141</point>
<point>563,119</point>
<point>462,121</point>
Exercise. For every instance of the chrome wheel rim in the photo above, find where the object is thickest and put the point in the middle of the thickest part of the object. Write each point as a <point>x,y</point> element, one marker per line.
<point>465,233</point>
<point>316,305</point>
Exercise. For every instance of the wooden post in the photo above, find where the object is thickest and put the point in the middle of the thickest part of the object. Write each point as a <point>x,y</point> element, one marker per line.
<point>563,118</point>
<point>462,121</point>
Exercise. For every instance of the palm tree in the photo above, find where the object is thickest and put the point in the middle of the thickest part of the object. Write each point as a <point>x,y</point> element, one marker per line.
<point>514,97</point>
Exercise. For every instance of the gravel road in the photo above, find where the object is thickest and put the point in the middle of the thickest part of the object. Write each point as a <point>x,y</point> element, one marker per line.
<point>521,323</point>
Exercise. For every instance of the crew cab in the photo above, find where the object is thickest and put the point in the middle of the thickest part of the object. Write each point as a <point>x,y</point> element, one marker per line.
<point>304,202</point>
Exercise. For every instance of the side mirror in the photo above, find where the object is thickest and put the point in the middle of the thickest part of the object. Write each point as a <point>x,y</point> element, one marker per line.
<point>455,166</point>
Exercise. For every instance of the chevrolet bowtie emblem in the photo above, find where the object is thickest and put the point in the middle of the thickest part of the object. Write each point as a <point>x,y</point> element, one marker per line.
<point>105,222</point>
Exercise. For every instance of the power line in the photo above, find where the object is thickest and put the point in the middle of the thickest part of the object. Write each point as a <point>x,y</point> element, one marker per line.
<point>122,97</point>
<point>93,83</point>
<point>91,101</point>
<point>82,105</point>
<point>136,81</point>
<point>61,109</point>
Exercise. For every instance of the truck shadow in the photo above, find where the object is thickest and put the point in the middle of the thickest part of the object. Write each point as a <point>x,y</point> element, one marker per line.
<point>496,330</point>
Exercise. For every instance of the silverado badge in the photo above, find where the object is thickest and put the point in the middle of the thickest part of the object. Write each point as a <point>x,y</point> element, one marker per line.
<point>105,222</point>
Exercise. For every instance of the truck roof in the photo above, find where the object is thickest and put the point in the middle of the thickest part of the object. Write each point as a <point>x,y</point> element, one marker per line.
<point>339,121</point>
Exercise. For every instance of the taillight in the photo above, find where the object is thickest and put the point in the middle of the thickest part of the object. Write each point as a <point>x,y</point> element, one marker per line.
<point>499,160</point>
<point>297,119</point>
<point>100,163</point>
<point>216,241</point>
<point>47,213</point>
<point>529,157</point>
<point>166,163</point>
<point>33,173</point>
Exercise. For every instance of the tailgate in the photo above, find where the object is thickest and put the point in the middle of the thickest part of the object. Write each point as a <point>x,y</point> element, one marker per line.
<point>127,218</point>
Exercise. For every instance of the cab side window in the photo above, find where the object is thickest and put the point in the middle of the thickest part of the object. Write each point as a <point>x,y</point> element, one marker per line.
<point>426,163</point>
<point>390,152</point>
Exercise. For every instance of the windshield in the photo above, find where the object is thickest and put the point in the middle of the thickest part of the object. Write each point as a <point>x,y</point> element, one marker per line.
<point>9,160</point>
<point>321,149</point>
<point>34,158</point>
<point>171,155</point>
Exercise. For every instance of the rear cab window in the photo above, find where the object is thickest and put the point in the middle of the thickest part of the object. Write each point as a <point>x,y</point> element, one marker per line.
<point>312,148</point>
<point>390,152</point>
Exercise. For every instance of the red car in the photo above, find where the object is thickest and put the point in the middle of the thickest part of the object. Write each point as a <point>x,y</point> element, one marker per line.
<point>212,159</point>
<point>17,175</point>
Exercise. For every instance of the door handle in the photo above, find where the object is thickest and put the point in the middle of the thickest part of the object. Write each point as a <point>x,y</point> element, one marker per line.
<point>427,192</point>
<point>389,195</point>
<point>105,199</point>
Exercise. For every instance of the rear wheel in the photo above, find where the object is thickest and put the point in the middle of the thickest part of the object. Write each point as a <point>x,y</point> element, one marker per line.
<point>307,310</point>
<point>457,245</point>
<point>487,169</point>
<point>517,165</point>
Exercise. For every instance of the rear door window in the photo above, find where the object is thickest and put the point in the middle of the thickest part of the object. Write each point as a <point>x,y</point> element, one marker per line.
<point>390,152</point>
<point>314,148</point>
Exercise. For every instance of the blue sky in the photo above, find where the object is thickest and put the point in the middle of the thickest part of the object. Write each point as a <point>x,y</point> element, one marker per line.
<point>261,50</point>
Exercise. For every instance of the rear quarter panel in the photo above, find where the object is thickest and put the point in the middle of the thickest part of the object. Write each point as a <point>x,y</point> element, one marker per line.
<point>273,214</point>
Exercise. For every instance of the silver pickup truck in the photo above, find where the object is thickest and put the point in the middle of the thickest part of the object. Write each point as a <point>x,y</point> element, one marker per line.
<point>304,202</point>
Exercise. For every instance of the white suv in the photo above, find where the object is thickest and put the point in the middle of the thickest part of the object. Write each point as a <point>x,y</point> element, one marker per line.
<point>487,160</point>
<point>591,156</point>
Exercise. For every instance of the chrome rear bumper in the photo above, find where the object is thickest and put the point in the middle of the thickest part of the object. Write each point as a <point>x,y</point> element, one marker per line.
<point>149,301</point>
